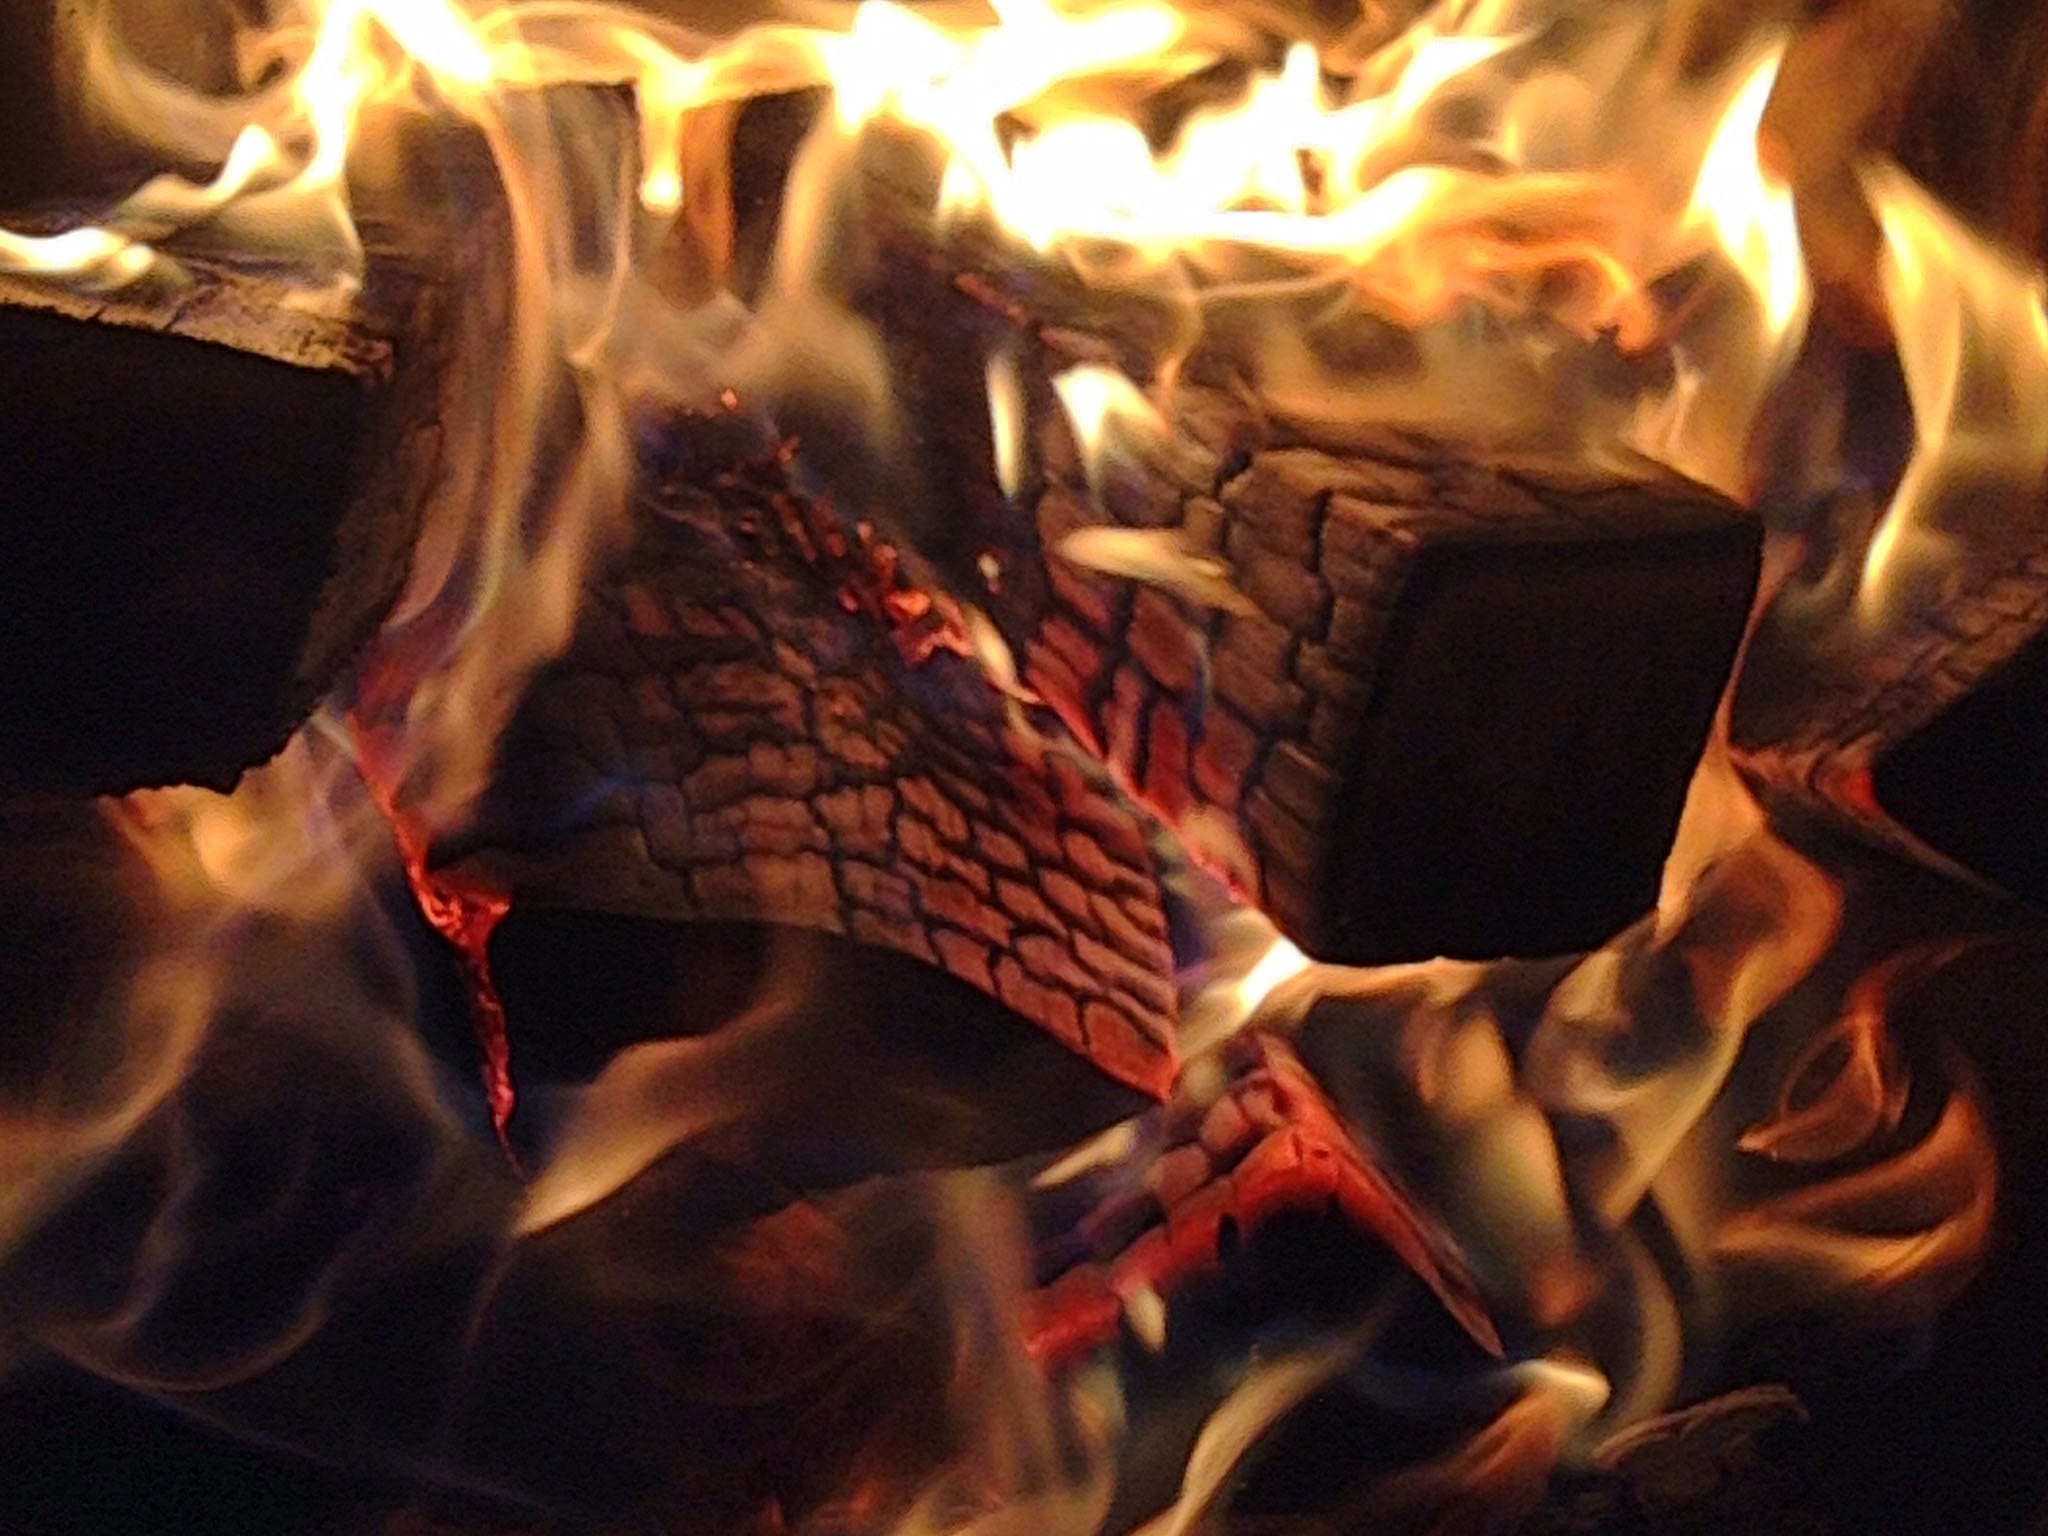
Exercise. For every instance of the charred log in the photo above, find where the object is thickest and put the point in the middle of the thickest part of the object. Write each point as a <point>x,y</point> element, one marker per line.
<point>762,720</point>
<point>208,506</point>
<point>1421,635</point>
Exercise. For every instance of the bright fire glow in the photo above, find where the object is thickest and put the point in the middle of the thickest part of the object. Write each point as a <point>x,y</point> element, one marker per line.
<point>1526,234</point>
<point>1972,328</point>
<point>1751,215</point>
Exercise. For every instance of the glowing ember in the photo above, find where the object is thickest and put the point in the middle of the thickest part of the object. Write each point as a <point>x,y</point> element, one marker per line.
<point>466,919</point>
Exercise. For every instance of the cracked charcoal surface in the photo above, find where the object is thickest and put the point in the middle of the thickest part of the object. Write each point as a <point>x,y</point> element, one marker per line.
<point>760,719</point>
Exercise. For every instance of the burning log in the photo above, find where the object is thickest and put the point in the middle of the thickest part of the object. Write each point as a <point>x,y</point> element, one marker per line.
<point>1340,662</point>
<point>761,720</point>
<point>1270,1146</point>
<point>1892,686</point>
<point>208,506</point>
<point>1373,696</point>
<point>1418,633</point>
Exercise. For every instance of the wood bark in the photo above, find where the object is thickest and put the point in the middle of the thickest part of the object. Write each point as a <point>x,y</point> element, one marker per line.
<point>208,506</point>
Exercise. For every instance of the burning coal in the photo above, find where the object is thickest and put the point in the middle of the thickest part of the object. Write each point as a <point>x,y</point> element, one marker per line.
<point>932,626</point>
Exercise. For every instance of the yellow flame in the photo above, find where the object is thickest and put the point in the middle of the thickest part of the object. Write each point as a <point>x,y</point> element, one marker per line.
<point>1750,212</point>
<point>1102,404</point>
<point>1007,422</point>
<point>1282,961</point>
<point>1971,323</point>
<point>91,258</point>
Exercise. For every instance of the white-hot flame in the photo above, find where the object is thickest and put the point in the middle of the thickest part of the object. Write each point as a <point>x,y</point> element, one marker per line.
<point>1751,214</point>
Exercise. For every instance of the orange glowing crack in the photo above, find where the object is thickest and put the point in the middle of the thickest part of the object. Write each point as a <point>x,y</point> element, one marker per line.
<point>465,915</point>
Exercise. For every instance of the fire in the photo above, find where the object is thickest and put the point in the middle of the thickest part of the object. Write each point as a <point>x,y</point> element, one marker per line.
<point>1753,218</point>
<point>1972,329</point>
<point>1489,229</point>
<point>1044,126</point>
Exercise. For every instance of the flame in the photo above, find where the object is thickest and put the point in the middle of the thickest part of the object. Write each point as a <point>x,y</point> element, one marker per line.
<point>1343,171</point>
<point>1901,1235</point>
<point>1751,214</point>
<point>1971,322</point>
<point>1007,422</point>
<point>1490,227</point>
<point>1106,411</point>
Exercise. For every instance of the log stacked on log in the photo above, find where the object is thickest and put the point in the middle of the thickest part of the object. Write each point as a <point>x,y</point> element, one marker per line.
<point>208,505</point>
<point>1399,718</point>
<point>762,720</point>
<point>1924,740</point>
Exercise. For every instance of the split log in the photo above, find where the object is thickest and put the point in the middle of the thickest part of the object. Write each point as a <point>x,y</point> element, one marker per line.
<point>1458,703</point>
<point>208,505</point>
<point>761,720</point>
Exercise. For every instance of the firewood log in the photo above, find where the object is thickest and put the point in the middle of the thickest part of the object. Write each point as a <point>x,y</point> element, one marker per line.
<point>1460,709</point>
<point>761,720</point>
<point>207,505</point>
<point>1454,705</point>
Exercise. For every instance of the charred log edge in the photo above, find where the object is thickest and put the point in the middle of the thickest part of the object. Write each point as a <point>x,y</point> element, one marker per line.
<point>1863,704</point>
<point>393,340</point>
<point>401,464</point>
<point>1819,746</point>
<point>251,311</point>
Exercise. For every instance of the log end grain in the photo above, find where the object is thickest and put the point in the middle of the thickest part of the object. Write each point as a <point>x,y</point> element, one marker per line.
<point>201,519</point>
<point>1459,707</point>
<point>1516,773</point>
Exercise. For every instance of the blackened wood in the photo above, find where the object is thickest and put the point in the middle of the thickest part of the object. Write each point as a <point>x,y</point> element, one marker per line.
<point>1974,124</point>
<point>762,719</point>
<point>1461,710</point>
<point>1460,705</point>
<point>207,504</point>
